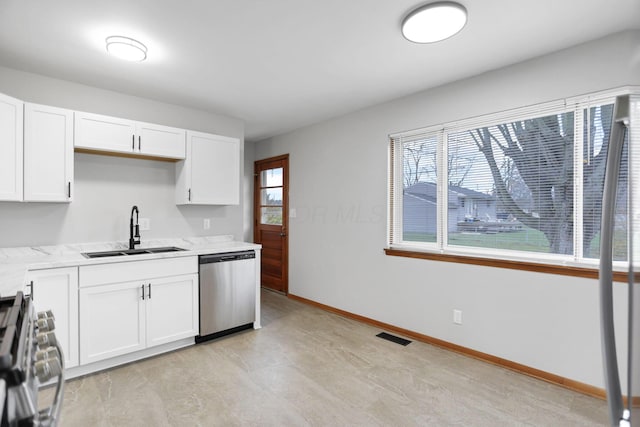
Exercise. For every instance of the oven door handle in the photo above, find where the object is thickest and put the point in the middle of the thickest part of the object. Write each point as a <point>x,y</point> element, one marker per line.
<point>51,416</point>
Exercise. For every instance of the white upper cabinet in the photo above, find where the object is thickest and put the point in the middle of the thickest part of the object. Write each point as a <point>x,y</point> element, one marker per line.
<point>48,154</point>
<point>103,133</point>
<point>160,141</point>
<point>94,132</point>
<point>210,175</point>
<point>11,125</point>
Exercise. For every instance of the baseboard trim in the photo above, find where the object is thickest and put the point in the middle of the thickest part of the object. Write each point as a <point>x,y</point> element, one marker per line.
<point>508,364</point>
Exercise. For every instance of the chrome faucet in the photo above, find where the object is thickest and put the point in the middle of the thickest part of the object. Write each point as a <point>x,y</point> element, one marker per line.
<point>134,239</point>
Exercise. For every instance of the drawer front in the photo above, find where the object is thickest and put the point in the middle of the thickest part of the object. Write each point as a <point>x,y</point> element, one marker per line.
<point>118,272</point>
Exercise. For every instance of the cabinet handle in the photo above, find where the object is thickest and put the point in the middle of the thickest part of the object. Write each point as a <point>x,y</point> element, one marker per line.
<point>133,142</point>
<point>189,198</point>
<point>139,142</point>
<point>149,290</point>
<point>142,292</point>
<point>69,189</point>
<point>31,289</point>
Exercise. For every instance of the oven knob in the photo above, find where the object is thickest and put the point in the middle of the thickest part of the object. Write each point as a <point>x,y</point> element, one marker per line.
<point>45,324</point>
<point>48,353</point>
<point>47,369</point>
<point>46,339</point>
<point>45,314</point>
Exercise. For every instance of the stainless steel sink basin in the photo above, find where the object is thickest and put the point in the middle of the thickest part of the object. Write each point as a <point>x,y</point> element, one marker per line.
<point>141,251</point>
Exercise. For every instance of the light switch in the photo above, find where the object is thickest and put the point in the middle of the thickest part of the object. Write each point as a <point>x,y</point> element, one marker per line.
<point>457,317</point>
<point>206,224</point>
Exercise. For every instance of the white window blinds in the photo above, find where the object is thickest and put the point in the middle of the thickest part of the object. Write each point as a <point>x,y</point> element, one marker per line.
<point>520,182</point>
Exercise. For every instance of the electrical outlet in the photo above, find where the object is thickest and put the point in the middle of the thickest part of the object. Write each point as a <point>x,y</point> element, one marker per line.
<point>206,224</point>
<point>457,317</point>
<point>144,223</point>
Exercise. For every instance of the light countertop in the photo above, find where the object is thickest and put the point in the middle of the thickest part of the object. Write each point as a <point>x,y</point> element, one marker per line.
<point>16,262</point>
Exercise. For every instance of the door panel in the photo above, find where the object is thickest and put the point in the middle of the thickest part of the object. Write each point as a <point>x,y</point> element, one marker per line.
<point>11,137</point>
<point>172,309</point>
<point>104,335</point>
<point>105,133</point>
<point>271,205</point>
<point>162,141</point>
<point>48,153</point>
<point>57,290</point>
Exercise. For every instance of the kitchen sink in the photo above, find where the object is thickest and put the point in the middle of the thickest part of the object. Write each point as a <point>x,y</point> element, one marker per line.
<point>141,251</point>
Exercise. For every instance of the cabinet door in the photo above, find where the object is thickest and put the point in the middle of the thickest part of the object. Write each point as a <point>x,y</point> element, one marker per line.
<point>112,319</point>
<point>48,153</point>
<point>160,141</point>
<point>56,289</point>
<point>210,175</point>
<point>11,122</point>
<point>172,309</point>
<point>103,133</point>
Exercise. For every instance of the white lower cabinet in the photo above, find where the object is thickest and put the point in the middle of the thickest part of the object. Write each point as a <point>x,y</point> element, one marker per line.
<point>122,318</point>
<point>113,321</point>
<point>56,289</point>
<point>172,309</point>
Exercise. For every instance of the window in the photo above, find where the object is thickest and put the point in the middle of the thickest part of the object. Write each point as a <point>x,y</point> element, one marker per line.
<point>518,179</point>
<point>271,196</point>
<point>596,130</point>
<point>419,216</point>
<point>524,184</point>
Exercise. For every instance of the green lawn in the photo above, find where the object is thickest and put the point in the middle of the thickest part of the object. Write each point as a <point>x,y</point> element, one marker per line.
<point>525,240</point>
<point>619,246</point>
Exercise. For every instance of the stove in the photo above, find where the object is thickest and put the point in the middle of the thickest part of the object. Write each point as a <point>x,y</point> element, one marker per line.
<point>29,357</point>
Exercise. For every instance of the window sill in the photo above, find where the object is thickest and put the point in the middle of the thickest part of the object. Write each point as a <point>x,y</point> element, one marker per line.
<point>564,270</point>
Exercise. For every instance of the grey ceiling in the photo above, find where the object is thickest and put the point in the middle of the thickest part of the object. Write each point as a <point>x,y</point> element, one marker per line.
<point>282,64</point>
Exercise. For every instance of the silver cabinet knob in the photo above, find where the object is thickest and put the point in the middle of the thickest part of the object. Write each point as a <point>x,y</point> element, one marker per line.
<point>47,369</point>
<point>45,324</point>
<point>46,339</point>
<point>45,314</point>
<point>47,354</point>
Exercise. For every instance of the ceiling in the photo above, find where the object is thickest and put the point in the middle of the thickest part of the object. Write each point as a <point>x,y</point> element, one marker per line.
<point>282,64</point>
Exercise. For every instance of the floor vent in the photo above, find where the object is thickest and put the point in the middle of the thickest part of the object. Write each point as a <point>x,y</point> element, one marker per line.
<point>393,338</point>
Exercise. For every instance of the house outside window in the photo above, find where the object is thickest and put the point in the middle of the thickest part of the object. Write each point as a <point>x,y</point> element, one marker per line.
<point>512,185</point>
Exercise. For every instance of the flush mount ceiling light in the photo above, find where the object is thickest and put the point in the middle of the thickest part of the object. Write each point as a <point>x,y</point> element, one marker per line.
<point>126,48</point>
<point>434,22</point>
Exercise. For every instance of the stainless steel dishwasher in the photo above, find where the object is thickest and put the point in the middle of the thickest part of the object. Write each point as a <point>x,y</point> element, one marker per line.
<point>227,293</point>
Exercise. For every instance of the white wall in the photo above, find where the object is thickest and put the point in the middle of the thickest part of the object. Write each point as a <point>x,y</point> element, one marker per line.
<point>106,187</point>
<point>338,185</point>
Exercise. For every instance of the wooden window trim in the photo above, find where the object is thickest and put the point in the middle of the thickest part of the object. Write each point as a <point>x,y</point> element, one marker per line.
<point>563,270</point>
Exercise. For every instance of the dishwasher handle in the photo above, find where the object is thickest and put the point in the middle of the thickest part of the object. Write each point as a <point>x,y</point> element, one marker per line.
<point>226,256</point>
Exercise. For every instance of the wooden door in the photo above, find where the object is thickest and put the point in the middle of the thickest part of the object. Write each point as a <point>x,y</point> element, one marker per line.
<point>271,226</point>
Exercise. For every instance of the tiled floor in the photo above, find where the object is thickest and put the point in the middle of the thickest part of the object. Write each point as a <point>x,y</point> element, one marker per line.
<point>307,367</point>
